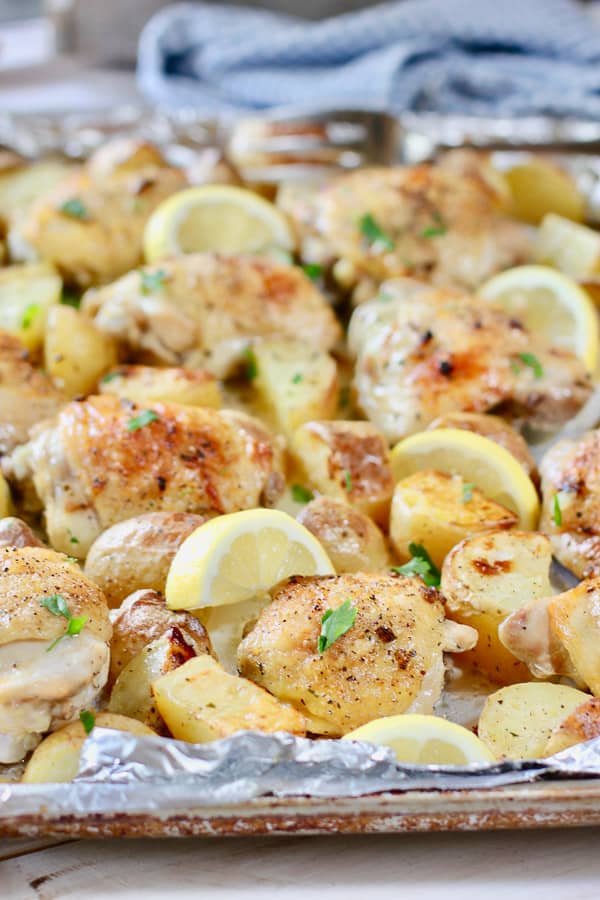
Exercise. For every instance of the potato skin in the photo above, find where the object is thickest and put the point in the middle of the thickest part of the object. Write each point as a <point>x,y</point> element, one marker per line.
<point>137,553</point>
<point>16,533</point>
<point>351,539</point>
<point>144,617</point>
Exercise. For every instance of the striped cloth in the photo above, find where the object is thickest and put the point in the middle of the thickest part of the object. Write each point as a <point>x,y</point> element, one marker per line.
<point>480,57</point>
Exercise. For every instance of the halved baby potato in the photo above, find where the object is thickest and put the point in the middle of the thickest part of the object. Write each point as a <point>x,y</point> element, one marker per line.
<point>27,292</point>
<point>76,353</point>
<point>351,539</point>
<point>148,384</point>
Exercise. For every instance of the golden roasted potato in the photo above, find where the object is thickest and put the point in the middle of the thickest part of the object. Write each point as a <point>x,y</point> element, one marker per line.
<point>16,533</point>
<point>144,617</point>
<point>21,185</point>
<point>6,506</point>
<point>76,353</point>
<point>581,725</point>
<point>438,511</point>
<point>494,428</point>
<point>148,384</point>
<point>200,702</point>
<point>56,759</point>
<point>539,186</point>
<point>487,577</point>
<point>295,382</point>
<point>517,721</point>
<point>348,461</point>
<point>122,156</point>
<point>137,552</point>
<point>132,692</point>
<point>351,539</point>
<point>27,293</point>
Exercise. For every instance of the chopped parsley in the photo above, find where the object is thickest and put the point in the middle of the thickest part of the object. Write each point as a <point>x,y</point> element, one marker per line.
<point>421,564</point>
<point>531,360</point>
<point>145,418</point>
<point>374,235</point>
<point>110,376</point>
<point>312,270</point>
<point>57,605</point>
<point>348,480</point>
<point>153,281</point>
<point>335,623</point>
<point>73,559</point>
<point>467,491</point>
<point>297,378</point>
<point>251,364</point>
<point>30,315</point>
<point>87,719</point>
<point>74,209</point>
<point>301,494</point>
<point>72,538</point>
<point>69,299</point>
<point>437,229</point>
<point>556,511</point>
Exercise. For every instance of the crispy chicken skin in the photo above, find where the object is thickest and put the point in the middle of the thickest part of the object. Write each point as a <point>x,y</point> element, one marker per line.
<point>27,396</point>
<point>98,234</point>
<point>41,689</point>
<point>570,472</point>
<point>440,223</point>
<point>96,465</point>
<point>390,661</point>
<point>208,306</point>
<point>444,352</point>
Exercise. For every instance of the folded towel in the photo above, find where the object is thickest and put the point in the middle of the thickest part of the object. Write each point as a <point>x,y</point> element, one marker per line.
<point>508,57</point>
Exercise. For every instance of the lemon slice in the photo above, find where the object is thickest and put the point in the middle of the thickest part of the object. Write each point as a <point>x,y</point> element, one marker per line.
<point>476,459</point>
<point>572,248</point>
<point>239,556</point>
<point>217,218</point>
<point>424,740</point>
<point>549,304</point>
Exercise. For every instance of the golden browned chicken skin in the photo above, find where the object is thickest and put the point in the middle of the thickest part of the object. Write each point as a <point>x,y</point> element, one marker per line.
<point>104,460</point>
<point>389,662</point>
<point>203,308</point>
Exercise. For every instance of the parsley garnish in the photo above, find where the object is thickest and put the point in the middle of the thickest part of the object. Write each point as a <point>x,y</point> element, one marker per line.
<point>74,208</point>
<point>467,491</point>
<point>57,605</point>
<point>335,623</point>
<point>301,494</point>
<point>528,359</point>
<point>556,511</point>
<point>73,559</point>
<point>72,538</point>
<point>87,719</point>
<point>30,314</point>
<point>348,480</point>
<point>69,299</point>
<point>421,564</point>
<point>110,376</point>
<point>297,378</point>
<point>153,281</point>
<point>312,270</point>
<point>145,418</point>
<point>251,364</point>
<point>374,235</point>
<point>438,229</point>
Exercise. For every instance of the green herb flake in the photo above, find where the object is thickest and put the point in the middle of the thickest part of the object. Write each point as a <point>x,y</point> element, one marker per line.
<point>348,480</point>
<point>556,511</point>
<point>76,626</point>
<point>87,719</point>
<point>69,299</point>
<point>110,376</point>
<point>335,623</point>
<point>153,281</point>
<point>30,315</point>
<point>421,564</point>
<point>312,270</point>
<point>74,209</point>
<point>297,378</point>
<point>467,491</point>
<point>56,604</point>
<point>301,494</point>
<point>374,235</point>
<point>529,359</point>
<point>73,559</point>
<point>515,367</point>
<point>251,364</point>
<point>437,229</point>
<point>146,417</point>
<point>73,539</point>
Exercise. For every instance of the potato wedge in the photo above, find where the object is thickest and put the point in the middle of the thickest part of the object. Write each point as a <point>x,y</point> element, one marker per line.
<point>517,721</point>
<point>438,511</point>
<point>295,383</point>
<point>76,353</point>
<point>56,759</point>
<point>484,579</point>
<point>147,384</point>
<point>573,249</point>
<point>200,702</point>
<point>27,293</point>
<point>144,617</point>
<point>137,553</point>
<point>582,725</point>
<point>539,186</point>
<point>352,540</point>
<point>20,186</point>
<point>132,692</point>
<point>348,461</point>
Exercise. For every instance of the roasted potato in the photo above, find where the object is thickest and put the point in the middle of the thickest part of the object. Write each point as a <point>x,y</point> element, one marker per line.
<point>294,382</point>
<point>76,353</point>
<point>123,156</point>
<point>538,187</point>
<point>132,693</point>
<point>200,702</point>
<point>56,759</point>
<point>144,617</point>
<point>5,498</point>
<point>27,293</point>
<point>487,577</point>
<point>348,461</point>
<point>581,725</point>
<point>137,552</point>
<point>147,384</point>
<point>21,185</point>
<point>438,511</point>
<point>16,533</point>
<point>572,248</point>
<point>226,626</point>
<point>352,540</point>
<point>517,721</point>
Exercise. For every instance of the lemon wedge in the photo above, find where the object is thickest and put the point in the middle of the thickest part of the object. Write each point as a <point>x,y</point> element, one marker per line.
<point>237,557</point>
<point>538,186</point>
<point>549,304</point>
<point>424,740</point>
<point>477,460</point>
<point>218,218</point>
<point>568,246</point>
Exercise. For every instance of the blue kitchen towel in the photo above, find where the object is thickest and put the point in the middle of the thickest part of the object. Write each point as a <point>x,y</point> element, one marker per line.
<point>509,57</point>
